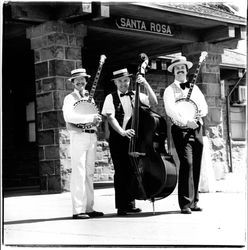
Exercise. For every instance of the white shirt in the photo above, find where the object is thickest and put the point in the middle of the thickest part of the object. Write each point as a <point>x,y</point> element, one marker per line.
<point>109,109</point>
<point>68,112</point>
<point>174,92</point>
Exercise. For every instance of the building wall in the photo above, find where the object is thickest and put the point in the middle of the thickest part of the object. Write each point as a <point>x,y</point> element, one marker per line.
<point>57,50</point>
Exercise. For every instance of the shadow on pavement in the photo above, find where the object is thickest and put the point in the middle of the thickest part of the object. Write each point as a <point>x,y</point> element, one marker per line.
<point>111,215</point>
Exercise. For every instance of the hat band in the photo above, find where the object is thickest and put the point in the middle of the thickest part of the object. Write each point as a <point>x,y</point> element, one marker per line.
<point>121,75</point>
<point>176,61</point>
<point>79,74</point>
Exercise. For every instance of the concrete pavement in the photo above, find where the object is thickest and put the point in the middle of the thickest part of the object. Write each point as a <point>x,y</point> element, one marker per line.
<point>45,220</point>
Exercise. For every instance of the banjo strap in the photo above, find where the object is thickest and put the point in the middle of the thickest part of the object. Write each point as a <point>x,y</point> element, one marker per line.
<point>76,97</point>
<point>178,93</point>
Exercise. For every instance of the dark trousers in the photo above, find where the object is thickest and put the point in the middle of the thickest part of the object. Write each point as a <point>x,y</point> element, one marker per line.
<point>189,146</point>
<point>124,174</point>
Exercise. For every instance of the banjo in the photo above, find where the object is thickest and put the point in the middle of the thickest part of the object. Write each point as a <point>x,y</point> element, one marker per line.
<point>188,107</point>
<point>87,107</point>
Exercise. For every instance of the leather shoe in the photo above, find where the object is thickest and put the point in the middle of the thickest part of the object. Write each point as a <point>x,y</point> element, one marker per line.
<point>80,216</point>
<point>196,208</point>
<point>186,210</point>
<point>95,214</point>
<point>128,211</point>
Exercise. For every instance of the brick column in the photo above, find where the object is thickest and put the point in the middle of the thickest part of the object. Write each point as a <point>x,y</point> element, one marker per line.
<point>57,50</point>
<point>209,82</point>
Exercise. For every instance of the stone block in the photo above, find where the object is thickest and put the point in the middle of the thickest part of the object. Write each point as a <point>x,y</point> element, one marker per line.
<point>210,68</point>
<point>80,41</point>
<point>57,39</point>
<point>38,86</point>
<point>211,101</point>
<point>51,152</point>
<point>60,67</point>
<point>34,31</point>
<point>80,30</point>
<point>215,115</point>
<point>58,99</point>
<point>213,89</point>
<point>64,137</point>
<point>210,78</point>
<point>52,52</point>
<point>72,41</point>
<point>38,42</point>
<point>53,119</point>
<point>64,151</point>
<point>39,122</point>
<point>53,83</point>
<point>41,70</point>
<point>52,26</point>
<point>44,102</point>
<point>36,56</point>
<point>73,53</point>
<point>46,137</point>
<point>44,183</point>
<point>41,153</point>
<point>47,167</point>
<point>67,28</point>
<point>54,184</point>
<point>65,183</point>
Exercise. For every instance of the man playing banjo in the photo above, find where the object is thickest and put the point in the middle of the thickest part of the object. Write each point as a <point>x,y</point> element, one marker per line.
<point>83,140</point>
<point>186,131</point>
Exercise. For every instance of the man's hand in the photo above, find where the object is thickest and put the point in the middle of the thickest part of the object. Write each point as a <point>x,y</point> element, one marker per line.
<point>140,79</point>
<point>192,124</point>
<point>97,119</point>
<point>128,133</point>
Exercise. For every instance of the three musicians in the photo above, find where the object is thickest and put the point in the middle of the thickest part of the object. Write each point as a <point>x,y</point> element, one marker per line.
<point>117,109</point>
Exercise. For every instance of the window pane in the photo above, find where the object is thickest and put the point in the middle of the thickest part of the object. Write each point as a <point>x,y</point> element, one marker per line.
<point>30,112</point>
<point>31,132</point>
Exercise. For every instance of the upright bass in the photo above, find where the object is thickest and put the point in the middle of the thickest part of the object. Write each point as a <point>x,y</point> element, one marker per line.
<point>155,170</point>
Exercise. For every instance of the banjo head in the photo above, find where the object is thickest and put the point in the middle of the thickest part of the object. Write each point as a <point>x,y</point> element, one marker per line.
<point>85,108</point>
<point>187,109</point>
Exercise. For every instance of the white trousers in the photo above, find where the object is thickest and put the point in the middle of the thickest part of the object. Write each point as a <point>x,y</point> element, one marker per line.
<point>83,155</point>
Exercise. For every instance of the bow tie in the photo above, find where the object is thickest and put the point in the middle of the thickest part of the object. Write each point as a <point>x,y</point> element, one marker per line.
<point>185,84</point>
<point>84,93</point>
<point>128,94</point>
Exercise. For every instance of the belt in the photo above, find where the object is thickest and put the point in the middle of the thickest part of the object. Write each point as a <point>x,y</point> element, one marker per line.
<point>84,126</point>
<point>91,131</point>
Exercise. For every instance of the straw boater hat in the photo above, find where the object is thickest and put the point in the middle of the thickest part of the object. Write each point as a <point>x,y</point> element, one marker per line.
<point>179,60</point>
<point>120,73</point>
<point>78,73</point>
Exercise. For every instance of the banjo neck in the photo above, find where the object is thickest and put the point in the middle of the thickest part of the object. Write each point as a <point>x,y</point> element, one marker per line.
<point>93,88</point>
<point>202,58</point>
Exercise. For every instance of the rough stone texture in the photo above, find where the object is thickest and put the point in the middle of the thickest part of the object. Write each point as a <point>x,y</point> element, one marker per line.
<point>103,166</point>
<point>57,51</point>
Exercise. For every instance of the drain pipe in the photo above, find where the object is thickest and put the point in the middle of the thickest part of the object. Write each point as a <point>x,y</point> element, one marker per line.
<point>229,143</point>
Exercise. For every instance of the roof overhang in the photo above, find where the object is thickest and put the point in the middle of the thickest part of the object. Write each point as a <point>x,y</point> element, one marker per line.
<point>123,30</point>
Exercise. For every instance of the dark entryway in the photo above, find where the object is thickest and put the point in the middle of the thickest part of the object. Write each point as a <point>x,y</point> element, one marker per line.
<point>20,151</point>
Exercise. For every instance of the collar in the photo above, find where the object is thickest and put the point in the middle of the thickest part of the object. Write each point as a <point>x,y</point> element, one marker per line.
<point>77,92</point>
<point>178,83</point>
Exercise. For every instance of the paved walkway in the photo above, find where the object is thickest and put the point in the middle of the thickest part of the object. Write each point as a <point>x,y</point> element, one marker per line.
<point>45,220</point>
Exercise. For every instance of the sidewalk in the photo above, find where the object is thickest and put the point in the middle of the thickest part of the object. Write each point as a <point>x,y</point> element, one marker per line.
<point>45,220</point>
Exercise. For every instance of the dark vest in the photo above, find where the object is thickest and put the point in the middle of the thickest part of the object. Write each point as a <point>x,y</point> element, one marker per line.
<point>119,112</point>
